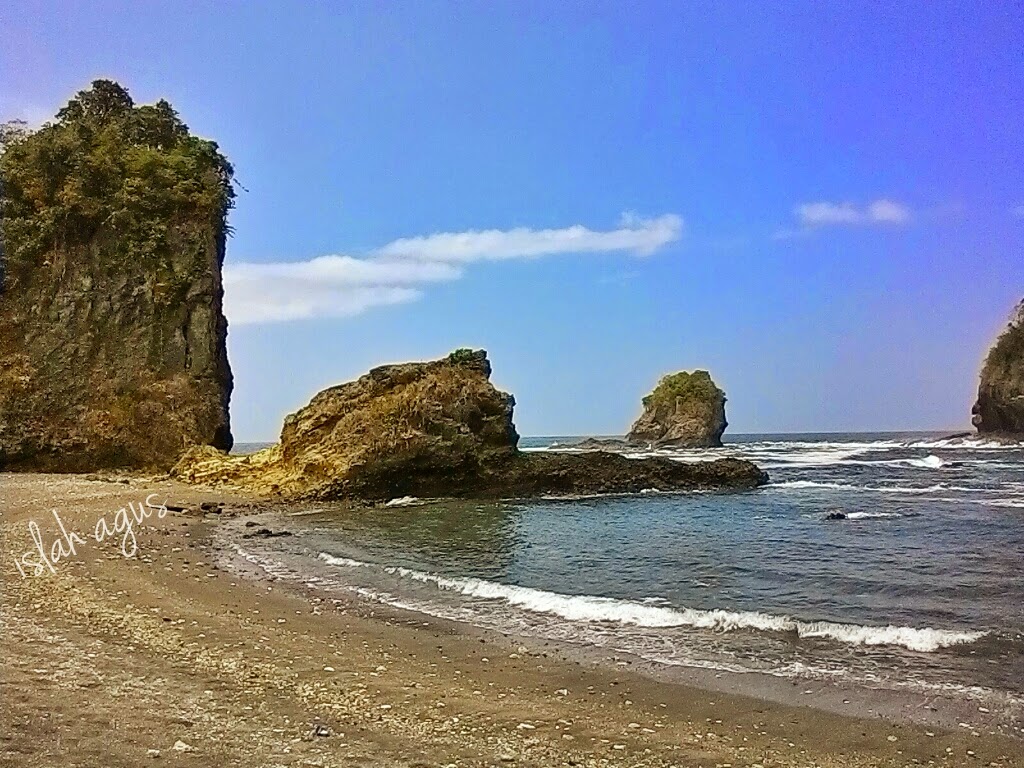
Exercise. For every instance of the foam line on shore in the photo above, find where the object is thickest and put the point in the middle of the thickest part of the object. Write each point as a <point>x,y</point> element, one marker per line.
<point>588,608</point>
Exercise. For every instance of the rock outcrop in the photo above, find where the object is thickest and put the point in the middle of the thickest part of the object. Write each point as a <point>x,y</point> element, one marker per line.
<point>435,429</point>
<point>685,410</point>
<point>112,338</point>
<point>999,409</point>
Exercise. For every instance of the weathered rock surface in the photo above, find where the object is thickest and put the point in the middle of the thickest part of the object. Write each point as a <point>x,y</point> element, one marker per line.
<point>601,444</point>
<point>112,337</point>
<point>685,410</point>
<point>436,429</point>
<point>999,409</point>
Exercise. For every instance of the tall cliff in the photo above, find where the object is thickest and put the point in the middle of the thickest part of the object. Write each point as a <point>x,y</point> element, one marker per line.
<point>685,410</point>
<point>1000,405</point>
<point>113,352</point>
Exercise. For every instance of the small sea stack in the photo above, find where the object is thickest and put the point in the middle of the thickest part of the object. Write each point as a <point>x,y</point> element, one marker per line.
<point>685,410</point>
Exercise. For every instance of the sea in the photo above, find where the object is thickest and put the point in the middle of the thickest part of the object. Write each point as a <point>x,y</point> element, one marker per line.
<point>888,562</point>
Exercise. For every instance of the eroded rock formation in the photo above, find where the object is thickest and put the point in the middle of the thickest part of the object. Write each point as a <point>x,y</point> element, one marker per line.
<point>435,429</point>
<point>685,410</point>
<point>112,338</point>
<point>999,409</point>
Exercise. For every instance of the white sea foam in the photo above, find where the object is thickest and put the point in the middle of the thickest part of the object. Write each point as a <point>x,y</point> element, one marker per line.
<point>931,461</point>
<point>800,485</point>
<point>342,561</point>
<point>965,443</point>
<point>1014,503</point>
<point>935,488</point>
<point>588,608</point>
<point>871,515</point>
<point>402,501</point>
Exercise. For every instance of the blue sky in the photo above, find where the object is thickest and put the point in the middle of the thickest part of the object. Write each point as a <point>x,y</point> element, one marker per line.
<point>822,203</point>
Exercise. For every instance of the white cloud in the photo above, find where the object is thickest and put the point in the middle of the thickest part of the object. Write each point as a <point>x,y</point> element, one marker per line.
<point>888,212</point>
<point>641,236</point>
<point>1018,211</point>
<point>339,286</point>
<point>824,214</point>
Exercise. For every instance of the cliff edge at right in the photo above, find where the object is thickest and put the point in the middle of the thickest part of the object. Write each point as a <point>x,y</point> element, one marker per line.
<point>999,411</point>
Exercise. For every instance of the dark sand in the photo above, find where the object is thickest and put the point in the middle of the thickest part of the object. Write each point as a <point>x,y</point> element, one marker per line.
<point>112,658</point>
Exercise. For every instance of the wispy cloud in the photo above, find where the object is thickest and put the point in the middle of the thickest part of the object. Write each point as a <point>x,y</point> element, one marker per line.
<point>1018,211</point>
<point>641,236</point>
<point>825,214</point>
<point>395,273</point>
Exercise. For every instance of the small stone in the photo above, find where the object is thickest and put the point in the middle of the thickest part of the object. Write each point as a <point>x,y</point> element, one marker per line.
<point>181,746</point>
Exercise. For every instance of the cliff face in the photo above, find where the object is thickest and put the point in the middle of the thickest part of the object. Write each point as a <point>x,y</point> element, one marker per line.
<point>685,410</point>
<point>112,337</point>
<point>436,429</point>
<point>1000,405</point>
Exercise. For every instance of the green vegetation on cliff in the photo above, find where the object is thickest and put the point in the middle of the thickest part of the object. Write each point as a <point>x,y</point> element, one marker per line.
<point>1009,347</point>
<point>106,166</point>
<point>1000,405</point>
<point>113,224</point>
<point>689,386</point>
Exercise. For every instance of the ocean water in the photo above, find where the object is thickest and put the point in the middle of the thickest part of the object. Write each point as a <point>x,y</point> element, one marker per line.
<point>919,587</point>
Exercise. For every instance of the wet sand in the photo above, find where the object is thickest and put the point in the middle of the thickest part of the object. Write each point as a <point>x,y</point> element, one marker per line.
<point>111,659</point>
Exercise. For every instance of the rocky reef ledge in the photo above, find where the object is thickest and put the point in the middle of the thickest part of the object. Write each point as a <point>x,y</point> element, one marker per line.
<point>435,429</point>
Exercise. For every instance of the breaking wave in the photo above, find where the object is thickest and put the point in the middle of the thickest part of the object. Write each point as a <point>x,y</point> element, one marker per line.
<point>587,608</point>
<point>402,501</point>
<point>874,515</point>
<point>936,488</point>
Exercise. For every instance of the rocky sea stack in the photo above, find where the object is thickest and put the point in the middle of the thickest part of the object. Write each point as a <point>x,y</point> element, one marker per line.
<point>999,410</point>
<point>685,410</point>
<point>434,429</point>
<point>112,338</point>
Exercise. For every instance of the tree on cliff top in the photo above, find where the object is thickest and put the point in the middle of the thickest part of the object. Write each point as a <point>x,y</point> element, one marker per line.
<point>108,168</point>
<point>1009,347</point>
<point>689,386</point>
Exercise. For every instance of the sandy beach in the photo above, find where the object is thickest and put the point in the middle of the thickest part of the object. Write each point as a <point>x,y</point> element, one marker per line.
<point>116,661</point>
